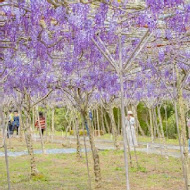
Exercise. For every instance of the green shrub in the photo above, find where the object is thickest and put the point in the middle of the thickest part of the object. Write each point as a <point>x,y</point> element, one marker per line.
<point>71,132</point>
<point>96,132</point>
<point>39,177</point>
<point>81,132</point>
<point>171,130</point>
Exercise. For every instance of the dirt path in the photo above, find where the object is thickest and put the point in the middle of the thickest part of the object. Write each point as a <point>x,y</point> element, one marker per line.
<point>101,144</point>
<point>149,148</point>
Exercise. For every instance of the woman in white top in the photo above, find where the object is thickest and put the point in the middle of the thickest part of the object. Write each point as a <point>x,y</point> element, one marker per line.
<point>130,129</point>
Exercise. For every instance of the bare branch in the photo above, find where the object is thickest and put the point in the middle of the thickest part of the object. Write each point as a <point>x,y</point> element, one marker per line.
<point>138,49</point>
<point>105,55</point>
<point>44,97</point>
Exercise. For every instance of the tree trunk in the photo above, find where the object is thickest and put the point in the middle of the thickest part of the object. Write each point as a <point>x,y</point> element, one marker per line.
<point>45,136</point>
<point>155,123</point>
<point>180,144</point>
<point>166,119</point>
<point>124,133</point>
<point>33,118</point>
<point>151,125</point>
<point>40,132</point>
<point>107,124</point>
<point>94,122</point>
<point>181,113</point>
<point>98,122</point>
<point>53,124</point>
<point>29,145</point>
<point>78,138</point>
<point>21,127</point>
<point>118,121</point>
<point>5,124</point>
<point>86,156</point>
<point>162,129</point>
<point>123,114</point>
<point>102,121</point>
<point>95,154</point>
<point>160,121</point>
<point>182,122</point>
<point>114,128</point>
<point>137,121</point>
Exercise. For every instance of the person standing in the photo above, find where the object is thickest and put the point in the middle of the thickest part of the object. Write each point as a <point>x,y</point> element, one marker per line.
<point>16,122</point>
<point>130,129</point>
<point>10,124</point>
<point>41,124</point>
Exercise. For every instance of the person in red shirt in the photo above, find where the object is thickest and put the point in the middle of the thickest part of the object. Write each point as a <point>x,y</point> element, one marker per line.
<point>42,124</point>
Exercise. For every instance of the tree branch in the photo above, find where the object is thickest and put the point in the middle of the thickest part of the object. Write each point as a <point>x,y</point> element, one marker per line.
<point>138,49</point>
<point>105,55</point>
<point>44,97</point>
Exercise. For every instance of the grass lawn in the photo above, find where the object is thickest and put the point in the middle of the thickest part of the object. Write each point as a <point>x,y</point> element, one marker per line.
<point>167,141</point>
<point>66,172</point>
<point>110,137</point>
<point>142,139</point>
<point>15,145</point>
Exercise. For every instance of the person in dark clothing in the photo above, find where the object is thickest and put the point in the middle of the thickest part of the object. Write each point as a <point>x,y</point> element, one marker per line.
<point>10,125</point>
<point>42,124</point>
<point>16,122</point>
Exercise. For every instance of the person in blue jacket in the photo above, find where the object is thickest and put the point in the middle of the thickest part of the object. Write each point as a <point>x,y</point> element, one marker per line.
<point>16,122</point>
